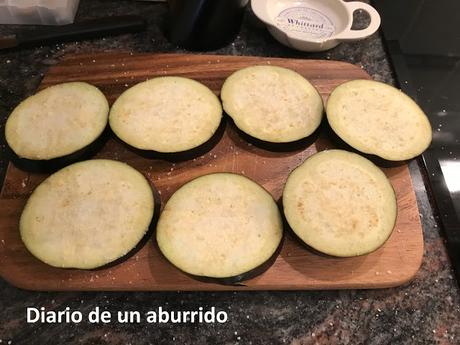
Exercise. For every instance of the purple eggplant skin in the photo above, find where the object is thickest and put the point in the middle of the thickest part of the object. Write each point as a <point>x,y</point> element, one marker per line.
<point>55,164</point>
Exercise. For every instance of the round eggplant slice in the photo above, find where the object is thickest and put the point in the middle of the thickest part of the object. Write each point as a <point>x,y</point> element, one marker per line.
<point>57,121</point>
<point>340,204</point>
<point>87,214</point>
<point>220,226</point>
<point>167,114</point>
<point>378,119</point>
<point>272,104</point>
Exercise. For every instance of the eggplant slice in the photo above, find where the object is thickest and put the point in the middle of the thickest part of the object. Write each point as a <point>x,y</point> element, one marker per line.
<point>378,119</point>
<point>340,204</point>
<point>87,214</point>
<point>272,104</point>
<point>220,225</point>
<point>57,121</point>
<point>166,114</point>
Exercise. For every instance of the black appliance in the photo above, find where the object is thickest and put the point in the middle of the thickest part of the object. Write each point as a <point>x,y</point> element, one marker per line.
<point>423,40</point>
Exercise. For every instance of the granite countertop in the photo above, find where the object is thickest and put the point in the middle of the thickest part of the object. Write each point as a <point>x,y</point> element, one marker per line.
<point>426,311</point>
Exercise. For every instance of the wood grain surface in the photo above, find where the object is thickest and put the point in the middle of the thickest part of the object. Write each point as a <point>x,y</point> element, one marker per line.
<point>229,151</point>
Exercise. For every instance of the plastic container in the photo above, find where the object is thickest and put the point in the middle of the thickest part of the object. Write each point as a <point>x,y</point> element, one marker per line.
<point>39,12</point>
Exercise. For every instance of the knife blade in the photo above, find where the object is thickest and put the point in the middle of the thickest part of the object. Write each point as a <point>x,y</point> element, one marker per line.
<point>93,28</point>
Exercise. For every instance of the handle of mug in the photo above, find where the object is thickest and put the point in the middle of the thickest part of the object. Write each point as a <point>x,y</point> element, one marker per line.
<point>352,35</point>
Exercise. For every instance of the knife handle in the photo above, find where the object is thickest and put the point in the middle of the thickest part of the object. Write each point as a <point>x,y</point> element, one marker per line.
<point>92,28</point>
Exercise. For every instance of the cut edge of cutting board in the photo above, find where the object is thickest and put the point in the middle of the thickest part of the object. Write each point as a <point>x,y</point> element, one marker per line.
<point>108,71</point>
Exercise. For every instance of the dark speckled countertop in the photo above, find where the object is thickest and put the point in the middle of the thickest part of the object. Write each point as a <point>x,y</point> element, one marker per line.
<point>426,311</point>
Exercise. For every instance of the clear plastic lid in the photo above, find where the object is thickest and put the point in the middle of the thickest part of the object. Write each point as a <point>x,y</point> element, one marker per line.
<point>46,12</point>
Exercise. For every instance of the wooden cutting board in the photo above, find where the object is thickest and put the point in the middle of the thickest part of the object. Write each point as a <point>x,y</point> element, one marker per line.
<point>296,268</point>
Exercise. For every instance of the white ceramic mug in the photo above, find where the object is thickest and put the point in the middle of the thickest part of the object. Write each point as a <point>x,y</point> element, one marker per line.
<point>314,25</point>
